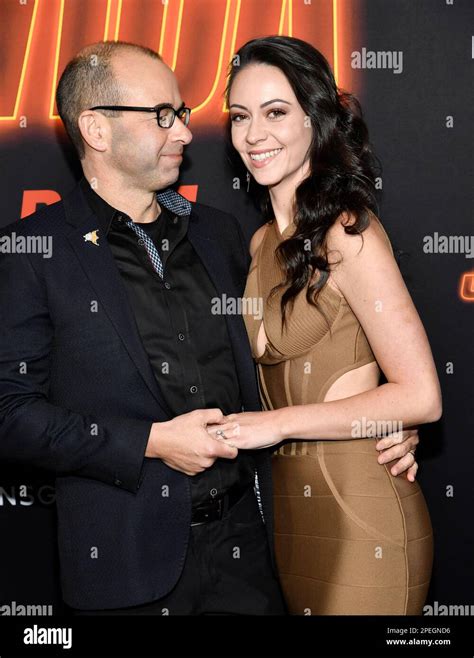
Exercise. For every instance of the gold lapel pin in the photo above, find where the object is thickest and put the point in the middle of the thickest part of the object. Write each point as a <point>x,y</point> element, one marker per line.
<point>92,237</point>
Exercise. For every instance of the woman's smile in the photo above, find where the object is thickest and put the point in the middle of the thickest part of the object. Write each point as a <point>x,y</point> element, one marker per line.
<point>263,158</point>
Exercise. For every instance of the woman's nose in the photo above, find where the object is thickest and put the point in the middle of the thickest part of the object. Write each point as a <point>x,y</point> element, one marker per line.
<point>256,132</point>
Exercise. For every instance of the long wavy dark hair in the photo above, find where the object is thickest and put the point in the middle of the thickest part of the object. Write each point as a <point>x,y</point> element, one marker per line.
<point>342,164</point>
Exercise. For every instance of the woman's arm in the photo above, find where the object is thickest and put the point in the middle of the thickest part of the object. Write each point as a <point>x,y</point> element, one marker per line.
<point>368,277</point>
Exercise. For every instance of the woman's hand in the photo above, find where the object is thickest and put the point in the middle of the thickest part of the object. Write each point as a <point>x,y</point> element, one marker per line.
<point>250,429</point>
<point>399,445</point>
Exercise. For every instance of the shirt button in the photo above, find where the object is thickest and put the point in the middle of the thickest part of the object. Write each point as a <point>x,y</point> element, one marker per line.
<point>167,285</point>
<point>181,336</point>
<point>193,389</point>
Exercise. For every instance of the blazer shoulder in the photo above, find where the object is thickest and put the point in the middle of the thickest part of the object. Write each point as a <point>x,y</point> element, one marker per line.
<point>216,221</point>
<point>224,226</point>
<point>221,219</point>
<point>46,220</point>
<point>211,212</point>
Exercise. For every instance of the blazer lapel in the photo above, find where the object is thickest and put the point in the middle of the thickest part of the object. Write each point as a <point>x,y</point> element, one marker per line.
<point>104,276</point>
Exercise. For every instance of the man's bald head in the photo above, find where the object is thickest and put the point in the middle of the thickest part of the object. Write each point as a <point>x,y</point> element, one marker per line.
<point>90,79</point>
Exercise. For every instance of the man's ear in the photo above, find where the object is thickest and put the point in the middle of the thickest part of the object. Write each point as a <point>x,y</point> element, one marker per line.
<point>94,129</point>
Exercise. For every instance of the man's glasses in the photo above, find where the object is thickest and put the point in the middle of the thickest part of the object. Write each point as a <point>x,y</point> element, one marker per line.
<point>165,113</point>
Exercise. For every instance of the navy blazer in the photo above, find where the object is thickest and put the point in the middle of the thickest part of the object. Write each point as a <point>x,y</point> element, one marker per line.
<point>78,396</point>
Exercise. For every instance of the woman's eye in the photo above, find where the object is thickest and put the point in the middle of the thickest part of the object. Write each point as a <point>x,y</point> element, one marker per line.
<point>237,118</point>
<point>276,114</point>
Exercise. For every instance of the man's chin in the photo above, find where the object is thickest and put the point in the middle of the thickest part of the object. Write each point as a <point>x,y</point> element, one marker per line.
<point>169,179</point>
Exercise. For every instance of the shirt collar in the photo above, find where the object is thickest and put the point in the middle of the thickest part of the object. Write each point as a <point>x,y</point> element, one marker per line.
<point>174,202</point>
<point>167,198</point>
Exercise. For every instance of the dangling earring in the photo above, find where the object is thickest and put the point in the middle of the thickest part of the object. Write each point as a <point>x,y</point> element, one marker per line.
<point>248,180</point>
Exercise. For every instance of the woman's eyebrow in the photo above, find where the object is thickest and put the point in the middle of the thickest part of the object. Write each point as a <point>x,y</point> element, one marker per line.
<point>274,100</point>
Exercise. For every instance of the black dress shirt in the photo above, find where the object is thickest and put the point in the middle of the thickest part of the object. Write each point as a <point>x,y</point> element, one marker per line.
<point>188,346</point>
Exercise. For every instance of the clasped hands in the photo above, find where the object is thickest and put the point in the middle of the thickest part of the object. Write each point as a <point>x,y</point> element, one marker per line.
<point>191,442</point>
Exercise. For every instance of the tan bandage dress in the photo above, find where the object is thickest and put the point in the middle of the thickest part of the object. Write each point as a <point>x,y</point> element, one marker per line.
<point>350,538</point>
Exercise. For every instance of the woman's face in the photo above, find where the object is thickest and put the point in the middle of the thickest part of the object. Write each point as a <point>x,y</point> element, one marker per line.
<point>269,128</point>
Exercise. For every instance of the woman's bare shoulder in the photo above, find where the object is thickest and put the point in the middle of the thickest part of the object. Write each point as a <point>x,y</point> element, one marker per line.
<point>338,239</point>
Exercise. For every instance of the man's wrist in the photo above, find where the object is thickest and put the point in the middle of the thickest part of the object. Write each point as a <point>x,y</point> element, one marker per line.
<point>153,448</point>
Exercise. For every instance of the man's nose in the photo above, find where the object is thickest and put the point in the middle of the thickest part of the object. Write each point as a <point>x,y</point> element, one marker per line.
<point>180,132</point>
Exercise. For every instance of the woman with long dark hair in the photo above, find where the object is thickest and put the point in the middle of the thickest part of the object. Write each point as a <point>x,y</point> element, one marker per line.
<point>350,537</point>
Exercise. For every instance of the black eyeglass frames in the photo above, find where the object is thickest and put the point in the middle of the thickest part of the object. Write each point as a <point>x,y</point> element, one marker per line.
<point>165,113</point>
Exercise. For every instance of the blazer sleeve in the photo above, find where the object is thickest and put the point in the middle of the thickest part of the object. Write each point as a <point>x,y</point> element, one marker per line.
<point>32,430</point>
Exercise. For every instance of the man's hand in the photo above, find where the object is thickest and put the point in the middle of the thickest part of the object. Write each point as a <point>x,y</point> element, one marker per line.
<point>401,446</point>
<point>184,444</point>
